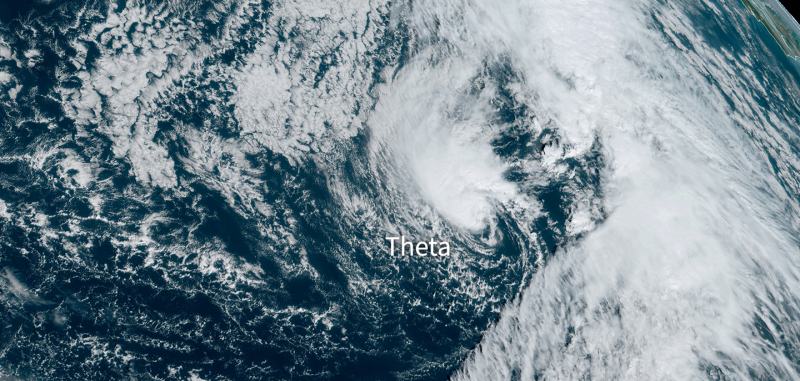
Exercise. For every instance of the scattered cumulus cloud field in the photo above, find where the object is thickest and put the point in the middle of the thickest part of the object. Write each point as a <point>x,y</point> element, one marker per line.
<point>619,181</point>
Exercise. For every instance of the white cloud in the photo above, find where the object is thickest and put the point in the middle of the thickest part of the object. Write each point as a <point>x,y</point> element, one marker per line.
<point>450,160</point>
<point>699,237</point>
<point>284,102</point>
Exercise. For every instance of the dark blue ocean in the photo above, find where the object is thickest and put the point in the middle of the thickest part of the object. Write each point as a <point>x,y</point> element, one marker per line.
<point>202,190</point>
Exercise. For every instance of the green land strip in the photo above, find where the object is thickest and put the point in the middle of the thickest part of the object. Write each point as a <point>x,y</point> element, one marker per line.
<point>779,23</point>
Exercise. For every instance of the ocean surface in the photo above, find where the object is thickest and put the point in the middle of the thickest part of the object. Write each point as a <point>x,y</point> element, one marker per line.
<point>201,190</point>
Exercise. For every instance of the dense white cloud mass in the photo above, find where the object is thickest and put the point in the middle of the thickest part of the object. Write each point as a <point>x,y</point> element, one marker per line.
<point>451,162</point>
<point>297,95</point>
<point>699,249</point>
<point>697,246</point>
<point>624,173</point>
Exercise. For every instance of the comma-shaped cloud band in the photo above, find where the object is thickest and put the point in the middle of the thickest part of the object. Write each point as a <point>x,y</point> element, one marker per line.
<point>420,249</point>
